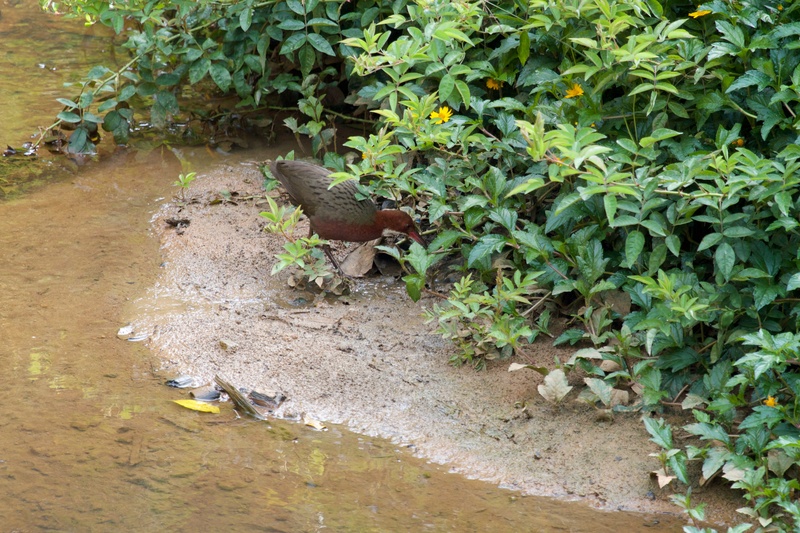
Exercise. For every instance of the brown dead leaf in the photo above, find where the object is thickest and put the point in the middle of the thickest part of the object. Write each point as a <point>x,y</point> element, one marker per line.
<point>664,479</point>
<point>619,397</point>
<point>359,261</point>
<point>618,301</point>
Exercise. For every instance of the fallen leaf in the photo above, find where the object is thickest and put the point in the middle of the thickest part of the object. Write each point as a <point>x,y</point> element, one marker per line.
<point>359,261</point>
<point>513,367</point>
<point>555,386</point>
<point>194,405</point>
<point>601,389</point>
<point>316,424</point>
<point>585,353</point>
<point>664,479</point>
<point>619,397</point>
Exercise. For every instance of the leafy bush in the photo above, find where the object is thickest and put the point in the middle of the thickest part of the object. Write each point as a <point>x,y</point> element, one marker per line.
<point>569,153</point>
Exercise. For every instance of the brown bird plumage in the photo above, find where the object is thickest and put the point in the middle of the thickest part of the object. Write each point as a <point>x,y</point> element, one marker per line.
<point>335,213</point>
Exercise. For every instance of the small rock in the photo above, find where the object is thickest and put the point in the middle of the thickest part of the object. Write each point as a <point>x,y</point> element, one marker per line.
<point>228,345</point>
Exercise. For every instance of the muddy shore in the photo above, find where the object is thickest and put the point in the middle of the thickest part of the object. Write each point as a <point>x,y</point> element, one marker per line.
<point>370,362</point>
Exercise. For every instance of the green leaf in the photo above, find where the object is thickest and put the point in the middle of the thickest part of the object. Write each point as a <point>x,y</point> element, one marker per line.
<point>484,248</point>
<point>119,127</point>
<point>70,117</point>
<point>67,103</point>
<point>708,431</point>
<point>463,91</point>
<point>446,86</point>
<point>524,50</point>
<point>660,432</point>
<point>794,282</point>
<point>764,293</point>
<point>198,70</point>
<point>168,79</point>
<point>634,245</point>
<point>292,25</point>
<point>296,6</point>
<point>749,78</point>
<point>725,258</point>
<point>737,232</point>
<point>307,58</point>
<point>414,285</point>
<point>79,142</point>
<point>610,205</point>
<point>444,239</point>
<point>709,240</point>
<point>319,42</point>
<point>677,463</point>
<point>674,244</point>
<point>294,42</point>
<point>221,76</point>
<point>246,18</point>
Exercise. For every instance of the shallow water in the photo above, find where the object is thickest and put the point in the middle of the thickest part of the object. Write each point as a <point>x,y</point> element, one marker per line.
<point>89,437</point>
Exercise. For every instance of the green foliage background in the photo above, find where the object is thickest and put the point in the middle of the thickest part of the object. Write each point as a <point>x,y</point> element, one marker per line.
<point>595,148</point>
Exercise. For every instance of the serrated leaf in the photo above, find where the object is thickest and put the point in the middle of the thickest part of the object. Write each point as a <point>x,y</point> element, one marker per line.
<point>660,432</point>
<point>749,78</point>
<point>794,282</point>
<point>600,388</point>
<point>487,245</point>
<point>555,386</point>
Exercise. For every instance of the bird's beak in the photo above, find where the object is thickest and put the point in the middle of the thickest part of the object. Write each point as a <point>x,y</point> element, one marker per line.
<point>417,237</point>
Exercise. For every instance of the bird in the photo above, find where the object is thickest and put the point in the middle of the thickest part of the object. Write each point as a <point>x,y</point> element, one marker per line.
<point>335,213</point>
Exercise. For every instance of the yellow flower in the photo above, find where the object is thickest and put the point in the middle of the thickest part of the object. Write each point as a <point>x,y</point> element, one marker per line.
<point>780,7</point>
<point>698,14</point>
<point>494,84</point>
<point>770,401</point>
<point>574,91</point>
<point>442,116</point>
<point>738,142</point>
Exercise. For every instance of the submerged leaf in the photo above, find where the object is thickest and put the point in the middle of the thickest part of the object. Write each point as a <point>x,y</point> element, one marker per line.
<point>194,405</point>
<point>316,424</point>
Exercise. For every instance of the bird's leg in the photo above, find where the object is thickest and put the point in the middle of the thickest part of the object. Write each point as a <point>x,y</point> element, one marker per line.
<point>329,253</point>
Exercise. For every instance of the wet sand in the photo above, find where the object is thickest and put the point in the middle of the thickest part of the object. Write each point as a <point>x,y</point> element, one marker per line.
<point>371,362</point>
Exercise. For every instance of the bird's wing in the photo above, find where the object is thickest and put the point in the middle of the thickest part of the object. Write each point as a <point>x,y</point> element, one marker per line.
<point>308,186</point>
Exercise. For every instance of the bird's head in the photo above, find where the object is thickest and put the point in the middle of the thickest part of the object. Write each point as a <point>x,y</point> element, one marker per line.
<point>396,221</point>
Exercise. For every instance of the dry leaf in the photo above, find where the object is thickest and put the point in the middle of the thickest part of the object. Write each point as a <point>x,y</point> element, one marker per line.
<point>316,424</point>
<point>619,397</point>
<point>359,261</point>
<point>664,479</point>
<point>555,386</point>
<point>513,367</point>
<point>194,405</point>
